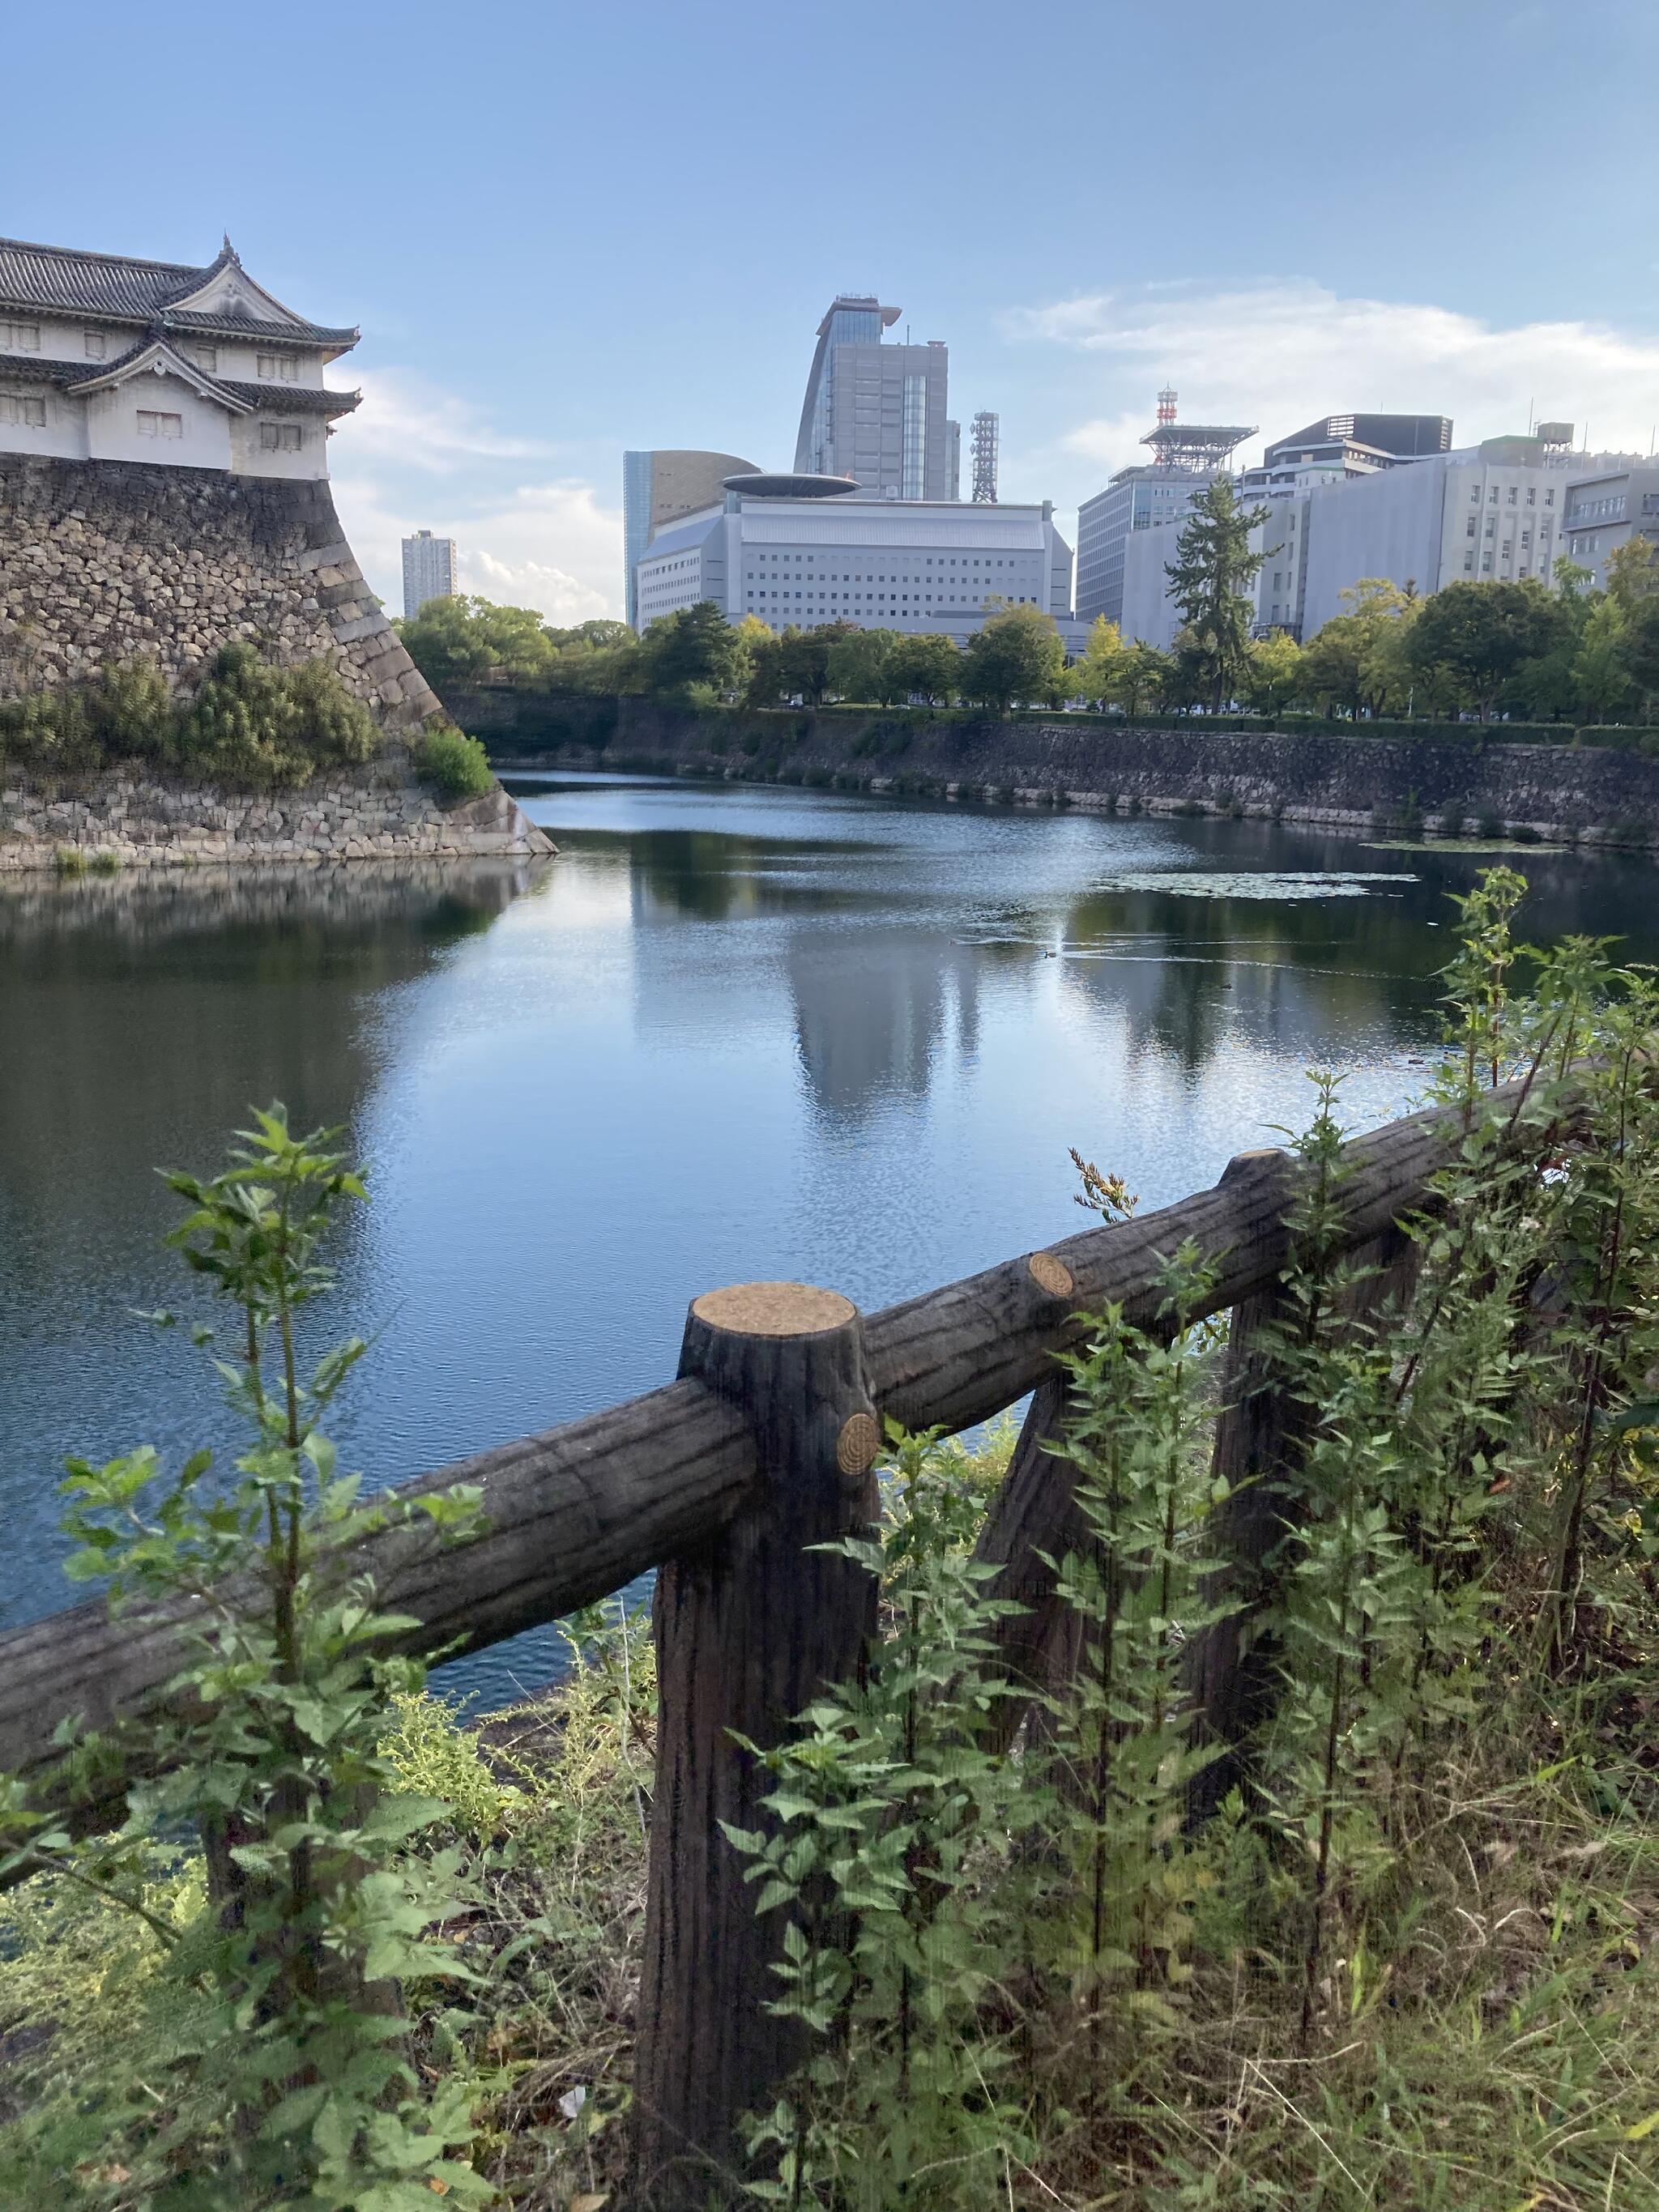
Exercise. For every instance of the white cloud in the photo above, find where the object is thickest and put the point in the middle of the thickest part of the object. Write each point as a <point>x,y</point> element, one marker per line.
<point>1281,354</point>
<point>406,420</point>
<point>415,457</point>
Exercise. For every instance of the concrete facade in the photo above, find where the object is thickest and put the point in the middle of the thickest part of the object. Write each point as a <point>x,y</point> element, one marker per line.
<point>1490,514</point>
<point>1607,508</point>
<point>922,566</point>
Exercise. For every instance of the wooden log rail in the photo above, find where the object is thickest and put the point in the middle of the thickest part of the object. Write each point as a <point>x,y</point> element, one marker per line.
<point>763,1446</point>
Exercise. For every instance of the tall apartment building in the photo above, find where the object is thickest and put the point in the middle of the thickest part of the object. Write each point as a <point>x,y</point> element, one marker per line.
<point>877,413</point>
<point>429,570</point>
<point>1606,508</point>
<point>657,487</point>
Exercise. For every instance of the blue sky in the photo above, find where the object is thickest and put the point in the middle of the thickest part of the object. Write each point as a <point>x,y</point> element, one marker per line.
<point>566,230</point>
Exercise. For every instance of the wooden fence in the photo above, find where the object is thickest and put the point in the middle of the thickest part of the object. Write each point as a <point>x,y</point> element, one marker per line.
<point>764,1446</point>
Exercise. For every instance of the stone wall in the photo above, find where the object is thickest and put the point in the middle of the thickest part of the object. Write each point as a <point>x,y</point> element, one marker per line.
<point>102,561</point>
<point>132,819</point>
<point>1343,782</point>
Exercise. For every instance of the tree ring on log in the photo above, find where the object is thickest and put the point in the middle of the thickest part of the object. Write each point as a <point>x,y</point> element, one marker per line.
<point>1051,1275</point>
<point>858,1444</point>
<point>774,1309</point>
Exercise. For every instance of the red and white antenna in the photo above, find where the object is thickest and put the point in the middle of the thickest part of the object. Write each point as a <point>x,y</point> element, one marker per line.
<point>1166,406</point>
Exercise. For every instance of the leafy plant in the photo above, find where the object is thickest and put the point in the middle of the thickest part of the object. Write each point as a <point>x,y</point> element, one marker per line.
<point>455,765</point>
<point>289,2080</point>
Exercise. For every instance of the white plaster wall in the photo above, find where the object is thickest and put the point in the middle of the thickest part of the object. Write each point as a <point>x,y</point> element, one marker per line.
<point>113,425</point>
<point>64,434</point>
<point>250,459</point>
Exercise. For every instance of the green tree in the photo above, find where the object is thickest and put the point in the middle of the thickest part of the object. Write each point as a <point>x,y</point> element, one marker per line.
<point>466,640</point>
<point>1601,677</point>
<point>1633,572</point>
<point>1358,659</point>
<point>695,645</point>
<point>1476,636</point>
<point>1211,576</point>
<point>1099,672</point>
<point>926,664</point>
<point>1642,652</point>
<point>1274,675</point>
<point>1016,654</point>
<point>1144,678</point>
<point>858,665</point>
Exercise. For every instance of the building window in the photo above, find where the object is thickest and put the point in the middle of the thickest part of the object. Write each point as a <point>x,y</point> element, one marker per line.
<point>207,358</point>
<point>21,337</point>
<point>281,437</point>
<point>1471,527</point>
<point>96,343</point>
<point>1514,494</point>
<point>279,368</point>
<point>23,407</point>
<point>154,425</point>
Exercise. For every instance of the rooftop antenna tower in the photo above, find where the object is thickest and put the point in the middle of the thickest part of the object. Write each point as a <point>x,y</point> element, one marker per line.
<point>1195,448</point>
<point>985,459</point>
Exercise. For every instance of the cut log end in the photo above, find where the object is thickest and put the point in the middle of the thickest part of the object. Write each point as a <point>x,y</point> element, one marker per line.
<point>1051,1275</point>
<point>858,1444</point>
<point>773,1309</point>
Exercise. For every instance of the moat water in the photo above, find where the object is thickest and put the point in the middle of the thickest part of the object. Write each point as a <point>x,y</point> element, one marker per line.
<point>728,1034</point>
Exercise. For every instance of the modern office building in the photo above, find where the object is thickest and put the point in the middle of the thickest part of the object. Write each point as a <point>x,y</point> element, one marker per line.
<point>1187,459</point>
<point>1606,509</point>
<point>876,412</point>
<point>953,460</point>
<point>429,570</point>
<point>1491,513</point>
<point>1337,449</point>
<point>808,549</point>
<point>659,487</point>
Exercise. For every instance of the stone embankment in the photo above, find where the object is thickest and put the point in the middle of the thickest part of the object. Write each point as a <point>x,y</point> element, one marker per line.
<point>1344,782</point>
<point>127,818</point>
<point>106,561</point>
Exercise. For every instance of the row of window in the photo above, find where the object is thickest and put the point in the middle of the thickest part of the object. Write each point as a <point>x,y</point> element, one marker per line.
<point>1514,498</point>
<point>30,412</point>
<point>273,368</point>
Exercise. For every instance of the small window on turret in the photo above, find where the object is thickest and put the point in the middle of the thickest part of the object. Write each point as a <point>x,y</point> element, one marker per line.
<point>96,343</point>
<point>21,337</point>
<point>279,368</point>
<point>154,425</point>
<point>281,437</point>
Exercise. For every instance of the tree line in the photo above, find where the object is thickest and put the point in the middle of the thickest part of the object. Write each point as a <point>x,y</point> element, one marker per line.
<point>1573,655</point>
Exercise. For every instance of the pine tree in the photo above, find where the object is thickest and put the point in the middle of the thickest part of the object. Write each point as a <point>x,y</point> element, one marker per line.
<point>1210,575</point>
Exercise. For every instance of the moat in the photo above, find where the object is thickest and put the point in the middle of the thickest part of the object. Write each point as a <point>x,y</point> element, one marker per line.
<point>729,1033</point>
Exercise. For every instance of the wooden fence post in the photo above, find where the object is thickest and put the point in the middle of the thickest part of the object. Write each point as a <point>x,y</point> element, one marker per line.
<point>748,1628</point>
<point>1260,1434</point>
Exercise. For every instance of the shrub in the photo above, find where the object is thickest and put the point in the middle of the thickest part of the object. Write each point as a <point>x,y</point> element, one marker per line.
<point>454,765</point>
<point>256,725</point>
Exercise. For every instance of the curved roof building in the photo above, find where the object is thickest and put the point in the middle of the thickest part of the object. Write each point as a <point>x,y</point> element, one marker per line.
<point>659,487</point>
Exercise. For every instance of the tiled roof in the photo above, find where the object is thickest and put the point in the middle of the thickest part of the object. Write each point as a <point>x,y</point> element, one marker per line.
<point>54,279</point>
<point>291,398</point>
<point>282,399</point>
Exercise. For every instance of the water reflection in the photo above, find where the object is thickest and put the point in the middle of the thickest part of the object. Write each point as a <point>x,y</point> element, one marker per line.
<point>728,1033</point>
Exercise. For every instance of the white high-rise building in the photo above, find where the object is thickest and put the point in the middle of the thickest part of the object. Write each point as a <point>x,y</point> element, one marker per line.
<point>428,571</point>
